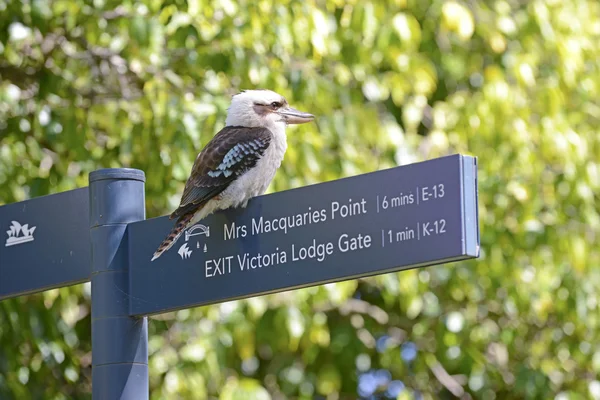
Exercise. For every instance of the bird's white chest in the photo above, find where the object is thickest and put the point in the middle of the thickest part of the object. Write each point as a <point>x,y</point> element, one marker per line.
<point>256,181</point>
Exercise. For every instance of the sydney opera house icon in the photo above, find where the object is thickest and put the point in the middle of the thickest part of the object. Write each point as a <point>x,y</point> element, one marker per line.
<point>198,229</point>
<point>18,234</point>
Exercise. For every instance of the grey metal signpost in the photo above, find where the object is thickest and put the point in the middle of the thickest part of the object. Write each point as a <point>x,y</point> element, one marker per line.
<point>119,342</point>
<point>405,217</point>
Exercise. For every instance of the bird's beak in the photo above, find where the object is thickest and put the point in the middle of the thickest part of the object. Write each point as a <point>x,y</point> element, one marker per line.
<point>292,116</point>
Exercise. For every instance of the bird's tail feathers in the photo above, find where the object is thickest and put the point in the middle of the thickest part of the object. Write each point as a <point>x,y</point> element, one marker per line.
<point>170,240</point>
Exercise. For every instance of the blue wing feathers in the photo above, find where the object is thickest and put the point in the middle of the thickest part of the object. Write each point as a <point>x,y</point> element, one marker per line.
<point>232,152</point>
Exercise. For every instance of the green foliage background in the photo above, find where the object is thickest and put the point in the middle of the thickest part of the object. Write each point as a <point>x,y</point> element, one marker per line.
<point>90,84</point>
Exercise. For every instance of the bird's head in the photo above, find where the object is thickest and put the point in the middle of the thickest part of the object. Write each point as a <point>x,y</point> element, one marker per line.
<point>264,108</point>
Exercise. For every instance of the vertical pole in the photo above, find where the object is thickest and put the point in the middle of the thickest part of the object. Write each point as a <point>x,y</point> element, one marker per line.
<point>119,342</point>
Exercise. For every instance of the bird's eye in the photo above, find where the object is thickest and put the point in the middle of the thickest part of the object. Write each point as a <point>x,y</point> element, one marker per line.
<point>275,104</point>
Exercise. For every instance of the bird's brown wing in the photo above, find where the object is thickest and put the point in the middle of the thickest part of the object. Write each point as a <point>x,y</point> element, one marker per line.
<point>232,152</point>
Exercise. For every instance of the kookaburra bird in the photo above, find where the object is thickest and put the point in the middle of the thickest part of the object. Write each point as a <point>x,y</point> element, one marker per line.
<point>239,162</point>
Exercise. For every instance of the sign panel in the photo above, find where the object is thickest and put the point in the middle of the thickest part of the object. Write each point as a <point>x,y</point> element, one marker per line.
<point>44,243</point>
<point>406,217</point>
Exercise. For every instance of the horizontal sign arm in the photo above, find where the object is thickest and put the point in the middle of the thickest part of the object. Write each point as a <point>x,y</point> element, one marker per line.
<point>405,217</point>
<point>46,243</point>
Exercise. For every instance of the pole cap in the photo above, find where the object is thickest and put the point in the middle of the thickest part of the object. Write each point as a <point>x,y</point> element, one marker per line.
<point>116,174</point>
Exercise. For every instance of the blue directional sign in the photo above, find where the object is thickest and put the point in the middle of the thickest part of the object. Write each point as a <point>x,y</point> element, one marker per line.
<point>404,217</point>
<point>44,243</point>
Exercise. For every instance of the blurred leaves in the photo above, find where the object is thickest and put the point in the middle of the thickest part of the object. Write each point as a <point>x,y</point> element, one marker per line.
<point>85,85</point>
